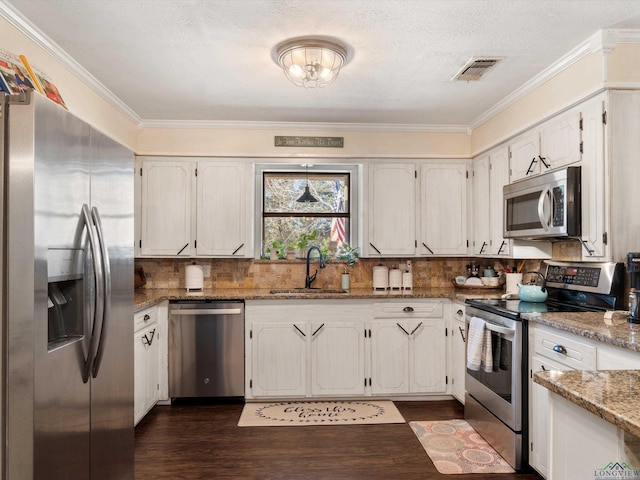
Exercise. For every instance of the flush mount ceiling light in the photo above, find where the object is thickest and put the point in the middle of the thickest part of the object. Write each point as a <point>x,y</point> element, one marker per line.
<point>307,196</point>
<point>311,63</point>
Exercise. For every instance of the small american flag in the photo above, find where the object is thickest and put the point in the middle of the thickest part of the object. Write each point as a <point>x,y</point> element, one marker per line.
<point>338,233</point>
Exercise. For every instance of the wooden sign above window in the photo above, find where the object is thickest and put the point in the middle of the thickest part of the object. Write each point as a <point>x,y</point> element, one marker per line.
<point>323,142</point>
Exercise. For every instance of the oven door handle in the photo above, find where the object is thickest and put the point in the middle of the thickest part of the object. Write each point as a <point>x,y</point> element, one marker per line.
<point>499,329</point>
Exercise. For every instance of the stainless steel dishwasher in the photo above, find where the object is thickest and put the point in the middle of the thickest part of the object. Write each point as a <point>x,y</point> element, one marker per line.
<point>206,349</point>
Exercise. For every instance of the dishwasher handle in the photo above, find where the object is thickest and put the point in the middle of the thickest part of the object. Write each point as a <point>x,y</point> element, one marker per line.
<point>207,311</point>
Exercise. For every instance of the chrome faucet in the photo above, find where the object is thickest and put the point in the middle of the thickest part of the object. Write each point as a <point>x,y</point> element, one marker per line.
<point>310,278</point>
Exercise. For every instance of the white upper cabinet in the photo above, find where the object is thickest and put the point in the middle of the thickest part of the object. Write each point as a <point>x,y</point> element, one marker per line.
<point>166,196</point>
<point>490,175</point>
<point>390,210</point>
<point>594,181</point>
<point>190,208</point>
<point>221,209</point>
<point>552,145</point>
<point>407,214</point>
<point>443,209</point>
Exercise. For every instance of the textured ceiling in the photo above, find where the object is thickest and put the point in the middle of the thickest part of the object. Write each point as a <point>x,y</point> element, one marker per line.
<point>212,60</point>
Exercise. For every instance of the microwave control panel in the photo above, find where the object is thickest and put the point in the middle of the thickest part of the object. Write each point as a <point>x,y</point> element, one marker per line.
<point>558,206</point>
<point>582,276</point>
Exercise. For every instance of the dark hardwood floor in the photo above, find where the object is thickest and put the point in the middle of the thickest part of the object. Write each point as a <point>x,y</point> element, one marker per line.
<point>189,442</point>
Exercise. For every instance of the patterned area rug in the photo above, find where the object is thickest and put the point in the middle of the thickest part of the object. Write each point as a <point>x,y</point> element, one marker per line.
<point>318,413</point>
<point>455,447</point>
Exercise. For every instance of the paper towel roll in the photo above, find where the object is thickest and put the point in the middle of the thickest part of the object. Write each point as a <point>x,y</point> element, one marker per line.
<point>380,277</point>
<point>193,277</point>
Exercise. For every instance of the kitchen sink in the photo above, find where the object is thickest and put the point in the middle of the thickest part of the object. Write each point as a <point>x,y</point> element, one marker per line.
<point>307,291</point>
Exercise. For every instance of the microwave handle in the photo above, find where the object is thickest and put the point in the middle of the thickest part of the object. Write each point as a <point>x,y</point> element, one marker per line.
<point>545,200</point>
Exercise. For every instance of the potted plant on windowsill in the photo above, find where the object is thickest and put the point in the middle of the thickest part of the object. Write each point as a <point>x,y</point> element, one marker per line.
<point>349,255</point>
<point>303,241</point>
<point>278,251</point>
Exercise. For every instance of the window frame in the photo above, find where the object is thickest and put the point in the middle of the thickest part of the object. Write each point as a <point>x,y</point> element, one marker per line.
<point>354,173</point>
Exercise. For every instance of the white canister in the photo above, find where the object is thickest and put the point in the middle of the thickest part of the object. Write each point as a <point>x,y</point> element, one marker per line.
<point>380,277</point>
<point>513,279</point>
<point>395,279</point>
<point>407,281</point>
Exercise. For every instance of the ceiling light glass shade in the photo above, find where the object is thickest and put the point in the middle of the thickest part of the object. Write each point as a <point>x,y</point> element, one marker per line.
<point>311,63</point>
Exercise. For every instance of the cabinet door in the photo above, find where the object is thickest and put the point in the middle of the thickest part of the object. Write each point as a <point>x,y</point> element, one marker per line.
<point>481,207</point>
<point>166,208</point>
<point>391,210</point>
<point>145,371</point>
<point>523,156</point>
<point>389,357</point>
<point>337,358</point>
<point>498,178</point>
<point>443,207</point>
<point>458,353</point>
<point>539,419</point>
<point>594,181</point>
<point>427,356</point>
<point>222,200</point>
<point>560,141</point>
<point>278,359</point>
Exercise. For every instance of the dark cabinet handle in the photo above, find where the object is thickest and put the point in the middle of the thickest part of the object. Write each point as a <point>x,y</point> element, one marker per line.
<point>415,329</point>
<point>373,246</point>
<point>459,312</point>
<point>148,341</point>
<point>504,242</point>
<point>560,349</point>
<point>407,309</point>
<point>182,249</point>
<point>529,170</point>
<point>464,340</point>
<point>236,250</point>
<point>146,317</point>
<point>301,332</point>
<point>317,330</point>
<point>400,327</point>
<point>484,244</point>
<point>425,246</point>
<point>542,159</point>
<point>543,369</point>
<point>584,244</point>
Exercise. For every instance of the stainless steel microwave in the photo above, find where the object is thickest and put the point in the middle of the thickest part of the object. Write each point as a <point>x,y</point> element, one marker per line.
<point>544,206</point>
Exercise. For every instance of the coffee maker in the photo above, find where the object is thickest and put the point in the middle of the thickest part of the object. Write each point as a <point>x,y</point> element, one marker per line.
<point>633,269</point>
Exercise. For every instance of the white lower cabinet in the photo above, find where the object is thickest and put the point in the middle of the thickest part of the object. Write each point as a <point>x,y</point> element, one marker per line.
<point>305,348</point>
<point>328,348</point>
<point>408,356</point>
<point>279,353</point>
<point>146,352</point>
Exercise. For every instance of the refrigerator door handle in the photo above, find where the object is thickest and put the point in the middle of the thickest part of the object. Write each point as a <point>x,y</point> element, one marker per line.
<point>99,298</point>
<point>106,301</point>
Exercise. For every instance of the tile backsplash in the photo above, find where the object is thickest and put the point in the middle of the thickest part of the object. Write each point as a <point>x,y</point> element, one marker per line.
<point>249,273</point>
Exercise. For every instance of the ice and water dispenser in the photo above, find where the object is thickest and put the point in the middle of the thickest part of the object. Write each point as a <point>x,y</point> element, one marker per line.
<point>66,288</point>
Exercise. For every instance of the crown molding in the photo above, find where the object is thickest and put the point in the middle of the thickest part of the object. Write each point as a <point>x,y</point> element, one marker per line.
<point>289,126</point>
<point>34,34</point>
<point>602,41</point>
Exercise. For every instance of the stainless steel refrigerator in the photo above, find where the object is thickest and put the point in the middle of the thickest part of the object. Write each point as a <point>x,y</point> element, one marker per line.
<point>67,296</point>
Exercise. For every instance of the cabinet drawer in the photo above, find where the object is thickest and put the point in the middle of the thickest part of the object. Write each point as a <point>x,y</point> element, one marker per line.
<point>145,317</point>
<point>574,354</point>
<point>408,309</point>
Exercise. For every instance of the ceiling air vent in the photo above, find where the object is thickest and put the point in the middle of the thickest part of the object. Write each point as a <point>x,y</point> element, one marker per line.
<point>476,68</point>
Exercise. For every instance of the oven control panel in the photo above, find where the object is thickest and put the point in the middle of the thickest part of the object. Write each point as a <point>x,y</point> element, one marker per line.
<point>580,276</point>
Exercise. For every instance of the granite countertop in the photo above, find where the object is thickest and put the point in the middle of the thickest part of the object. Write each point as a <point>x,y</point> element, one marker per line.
<point>613,395</point>
<point>615,331</point>
<point>146,297</point>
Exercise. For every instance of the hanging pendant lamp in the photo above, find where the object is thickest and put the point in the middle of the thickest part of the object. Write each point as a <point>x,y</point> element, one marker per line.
<point>307,197</point>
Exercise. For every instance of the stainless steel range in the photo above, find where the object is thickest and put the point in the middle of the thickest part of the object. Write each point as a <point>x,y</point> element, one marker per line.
<point>496,399</point>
